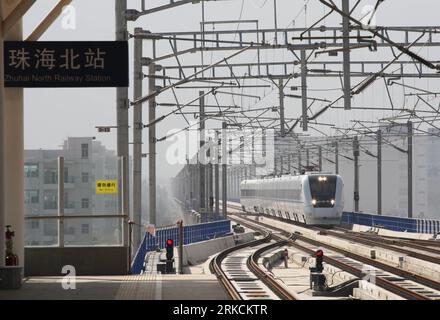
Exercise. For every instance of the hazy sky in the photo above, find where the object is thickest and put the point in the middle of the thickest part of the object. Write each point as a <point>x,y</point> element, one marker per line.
<point>51,115</point>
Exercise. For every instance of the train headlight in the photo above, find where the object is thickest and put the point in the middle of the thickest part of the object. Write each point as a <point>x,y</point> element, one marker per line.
<point>314,202</point>
<point>322,179</point>
<point>332,202</point>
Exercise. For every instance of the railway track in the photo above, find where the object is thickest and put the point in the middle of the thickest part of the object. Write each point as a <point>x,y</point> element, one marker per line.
<point>400,282</point>
<point>269,280</point>
<point>435,244</point>
<point>426,245</point>
<point>422,252</point>
<point>380,242</point>
<point>238,271</point>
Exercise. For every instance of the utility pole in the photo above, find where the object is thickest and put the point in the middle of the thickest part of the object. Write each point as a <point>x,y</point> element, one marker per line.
<point>253,165</point>
<point>224,172</point>
<point>289,160</point>
<point>152,141</point>
<point>188,179</point>
<point>187,188</point>
<point>233,180</point>
<point>264,143</point>
<point>241,149</point>
<point>281,164</point>
<point>194,186</point>
<point>217,175</point>
<point>336,157</point>
<point>410,169</point>
<point>307,158</point>
<point>2,151</point>
<point>282,120</point>
<point>346,54</point>
<point>137,138</point>
<point>126,240</point>
<point>356,173</point>
<point>189,194</point>
<point>275,20</point>
<point>122,103</point>
<point>202,153</point>
<point>299,160</point>
<point>379,172</point>
<point>197,184</point>
<point>180,228</point>
<point>320,158</point>
<point>210,180</point>
<point>230,151</point>
<point>304,90</point>
<point>229,179</point>
<point>61,202</point>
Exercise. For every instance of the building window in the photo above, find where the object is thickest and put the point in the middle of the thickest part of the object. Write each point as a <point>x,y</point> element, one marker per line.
<point>85,177</point>
<point>31,170</point>
<point>50,200</point>
<point>84,151</point>
<point>68,204</point>
<point>31,196</point>
<point>85,203</point>
<point>50,229</point>
<point>35,224</point>
<point>66,175</point>
<point>50,177</point>
<point>85,229</point>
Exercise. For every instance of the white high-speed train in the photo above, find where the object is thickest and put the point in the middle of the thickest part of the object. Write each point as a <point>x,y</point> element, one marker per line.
<point>312,198</point>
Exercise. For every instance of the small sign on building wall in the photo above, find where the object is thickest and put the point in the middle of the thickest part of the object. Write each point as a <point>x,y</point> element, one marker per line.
<point>106,186</point>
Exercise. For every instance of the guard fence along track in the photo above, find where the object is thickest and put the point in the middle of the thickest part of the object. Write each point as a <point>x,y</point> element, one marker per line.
<point>381,243</point>
<point>395,280</point>
<point>243,279</point>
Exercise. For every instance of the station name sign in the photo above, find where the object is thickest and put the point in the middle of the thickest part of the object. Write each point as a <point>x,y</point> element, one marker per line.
<point>61,64</point>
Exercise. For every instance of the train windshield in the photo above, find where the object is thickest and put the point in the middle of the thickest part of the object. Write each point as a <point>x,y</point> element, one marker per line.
<point>323,190</point>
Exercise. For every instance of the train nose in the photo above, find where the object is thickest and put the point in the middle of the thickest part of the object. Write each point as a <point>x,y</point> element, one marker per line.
<point>334,212</point>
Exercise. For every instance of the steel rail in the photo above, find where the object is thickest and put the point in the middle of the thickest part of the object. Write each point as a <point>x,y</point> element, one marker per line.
<point>386,284</point>
<point>267,278</point>
<point>216,267</point>
<point>392,242</point>
<point>382,243</point>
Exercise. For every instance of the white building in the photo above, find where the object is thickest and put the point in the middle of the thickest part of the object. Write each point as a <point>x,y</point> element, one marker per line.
<point>86,160</point>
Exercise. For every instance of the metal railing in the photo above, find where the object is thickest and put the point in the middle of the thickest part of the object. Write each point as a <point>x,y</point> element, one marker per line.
<point>61,219</point>
<point>400,224</point>
<point>191,234</point>
<point>54,180</point>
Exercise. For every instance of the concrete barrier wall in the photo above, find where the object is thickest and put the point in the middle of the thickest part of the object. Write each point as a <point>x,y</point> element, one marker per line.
<point>88,261</point>
<point>198,252</point>
<point>244,237</point>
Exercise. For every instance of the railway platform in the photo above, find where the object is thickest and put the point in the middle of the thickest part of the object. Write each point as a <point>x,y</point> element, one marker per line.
<point>150,285</point>
<point>131,287</point>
